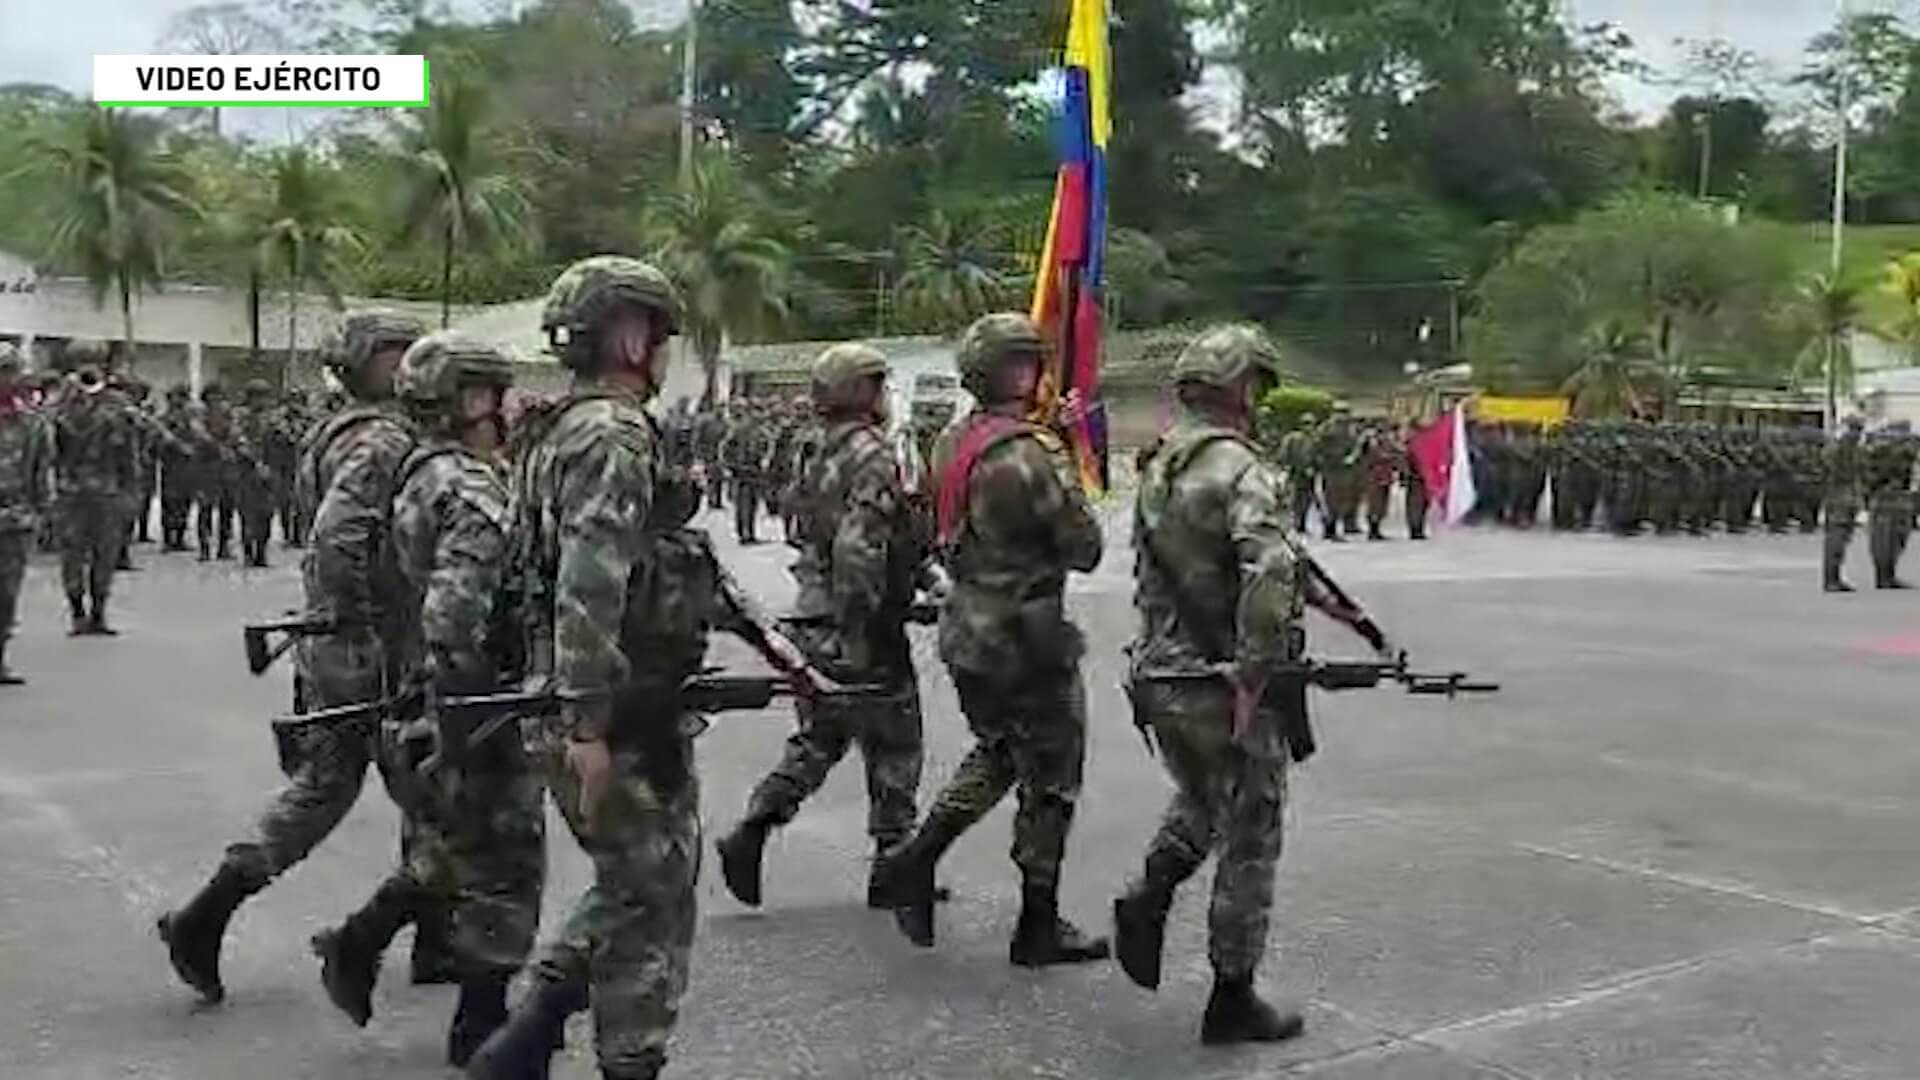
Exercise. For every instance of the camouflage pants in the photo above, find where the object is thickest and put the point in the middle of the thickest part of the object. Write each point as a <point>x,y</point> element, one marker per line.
<point>15,546</point>
<point>1228,800</point>
<point>1840,514</point>
<point>888,734</point>
<point>1030,735</point>
<point>177,485</point>
<point>746,507</point>
<point>1889,524</point>
<point>629,937</point>
<point>255,506</point>
<point>1416,495</point>
<point>1377,497</point>
<point>92,534</point>
<point>473,861</point>
<point>1300,494</point>
<point>213,523</point>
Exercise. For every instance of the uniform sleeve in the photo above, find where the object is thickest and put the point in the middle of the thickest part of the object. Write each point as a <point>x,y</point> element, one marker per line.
<point>862,545</point>
<point>468,555</point>
<point>1269,601</point>
<point>603,501</point>
<point>40,466</point>
<point>1024,483</point>
<point>348,524</point>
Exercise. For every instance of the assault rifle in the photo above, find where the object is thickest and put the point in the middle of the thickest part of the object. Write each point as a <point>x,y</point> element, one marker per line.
<point>262,651</point>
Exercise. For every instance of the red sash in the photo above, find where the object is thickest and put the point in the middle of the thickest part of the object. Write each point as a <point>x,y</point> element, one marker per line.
<point>950,507</point>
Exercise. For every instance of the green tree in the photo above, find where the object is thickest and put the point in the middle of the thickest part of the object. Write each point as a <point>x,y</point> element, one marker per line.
<point>1733,134</point>
<point>1616,377</point>
<point>955,270</point>
<point>121,198</point>
<point>1832,308</point>
<point>306,234</point>
<point>456,195</point>
<point>746,82</point>
<point>713,239</point>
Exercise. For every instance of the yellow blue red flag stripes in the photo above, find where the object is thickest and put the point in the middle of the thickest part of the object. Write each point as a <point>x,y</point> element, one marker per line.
<point>1066,291</point>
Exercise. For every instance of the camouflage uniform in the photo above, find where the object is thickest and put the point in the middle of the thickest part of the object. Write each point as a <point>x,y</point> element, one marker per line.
<point>1013,523</point>
<point>284,434</point>
<point>474,859</point>
<point>861,555</point>
<point>745,453</point>
<point>1336,457</point>
<point>1414,484</point>
<point>213,462</point>
<point>1218,589</point>
<point>96,470</point>
<point>252,473</point>
<point>178,481</point>
<point>1296,455</point>
<point>26,470</point>
<point>150,438</point>
<point>1887,471</point>
<point>348,471</point>
<point>1842,468</point>
<point>709,434</point>
<point>1380,453</point>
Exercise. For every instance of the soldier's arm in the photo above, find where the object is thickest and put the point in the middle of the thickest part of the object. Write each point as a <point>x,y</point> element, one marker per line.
<point>468,555</point>
<point>1268,605</point>
<point>862,543</point>
<point>347,525</point>
<point>1030,479</point>
<point>602,503</point>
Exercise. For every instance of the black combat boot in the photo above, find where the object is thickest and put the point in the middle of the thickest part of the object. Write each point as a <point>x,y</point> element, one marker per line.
<point>523,1047</point>
<point>1236,1014</point>
<point>740,854</point>
<point>193,933</point>
<point>1140,918</point>
<point>1373,531</point>
<point>906,877</point>
<point>1042,938</point>
<point>77,621</point>
<point>877,897</point>
<point>97,620</point>
<point>482,1009</point>
<point>7,676</point>
<point>350,953</point>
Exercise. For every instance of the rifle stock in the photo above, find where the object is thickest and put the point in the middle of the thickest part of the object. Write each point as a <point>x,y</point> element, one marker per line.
<point>262,651</point>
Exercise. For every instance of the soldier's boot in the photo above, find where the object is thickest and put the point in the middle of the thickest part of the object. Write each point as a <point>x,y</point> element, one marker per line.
<point>877,896</point>
<point>193,933</point>
<point>740,855</point>
<point>523,1047</point>
<point>1236,1014</point>
<point>1889,580</point>
<point>1373,531</point>
<point>350,953</point>
<point>1042,938</point>
<point>77,615</point>
<point>907,877</point>
<point>7,675</point>
<point>1140,919</point>
<point>97,619</point>
<point>205,544</point>
<point>481,1011</point>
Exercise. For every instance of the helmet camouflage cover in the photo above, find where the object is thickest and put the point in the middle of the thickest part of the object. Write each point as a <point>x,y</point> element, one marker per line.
<point>991,341</point>
<point>438,366</point>
<point>837,370</point>
<point>1224,354</point>
<point>588,291</point>
<point>360,336</point>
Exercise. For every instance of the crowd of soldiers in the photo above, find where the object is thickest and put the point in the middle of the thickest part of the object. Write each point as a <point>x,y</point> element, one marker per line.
<point>541,572</point>
<point>85,452</point>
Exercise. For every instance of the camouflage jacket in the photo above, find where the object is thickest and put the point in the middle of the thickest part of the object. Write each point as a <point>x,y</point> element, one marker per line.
<point>1216,577</point>
<point>345,488</point>
<point>861,551</point>
<point>96,449</point>
<point>26,470</point>
<point>185,437</point>
<point>1027,524</point>
<point>709,432</point>
<point>745,450</point>
<point>254,435</point>
<point>1842,467</point>
<point>1335,450</point>
<point>450,546</point>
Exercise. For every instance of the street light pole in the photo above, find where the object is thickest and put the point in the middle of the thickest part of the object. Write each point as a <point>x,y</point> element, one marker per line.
<point>688,76</point>
<point>1839,212</point>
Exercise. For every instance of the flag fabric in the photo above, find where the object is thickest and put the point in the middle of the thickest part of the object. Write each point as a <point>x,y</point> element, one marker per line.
<point>1440,452</point>
<point>1066,289</point>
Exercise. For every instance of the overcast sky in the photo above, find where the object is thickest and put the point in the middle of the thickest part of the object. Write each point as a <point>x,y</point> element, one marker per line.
<point>54,40</point>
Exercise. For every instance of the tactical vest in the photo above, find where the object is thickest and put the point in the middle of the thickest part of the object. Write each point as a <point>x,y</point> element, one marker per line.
<point>1179,451</point>
<point>982,434</point>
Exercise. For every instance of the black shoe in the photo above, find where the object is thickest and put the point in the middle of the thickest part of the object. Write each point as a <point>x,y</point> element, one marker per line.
<point>1892,583</point>
<point>1140,934</point>
<point>349,969</point>
<point>906,880</point>
<point>193,933</point>
<point>1837,585</point>
<point>523,1047</point>
<point>877,896</point>
<point>97,624</point>
<point>482,1009</point>
<point>1236,1014</point>
<point>1042,938</point>
<point>740,853</point>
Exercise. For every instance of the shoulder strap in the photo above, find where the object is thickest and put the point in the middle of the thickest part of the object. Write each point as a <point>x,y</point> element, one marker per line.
<point>980,436</point>
<point>1181,452</point>
<point>417,459</point>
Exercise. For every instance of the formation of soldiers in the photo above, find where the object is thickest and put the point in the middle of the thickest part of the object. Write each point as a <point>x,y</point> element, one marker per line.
<point>1339,467</point>
<point>542,569</point>
<point>750,454</point>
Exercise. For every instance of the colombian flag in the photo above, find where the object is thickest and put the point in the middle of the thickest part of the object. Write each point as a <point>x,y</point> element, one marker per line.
<point>1066,290</point>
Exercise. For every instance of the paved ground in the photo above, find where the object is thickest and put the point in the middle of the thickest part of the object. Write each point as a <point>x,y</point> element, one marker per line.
<point>1680,845</point>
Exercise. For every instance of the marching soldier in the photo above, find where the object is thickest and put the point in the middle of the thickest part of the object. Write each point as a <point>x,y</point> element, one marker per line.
<point>1220,593</point>
<point>1887,470</point>
<point>861,558</point>
<point>1842,504</point>
<point>213,524</point>
<point>26,472</point>
<point>96,462</point>
<point>745,454</point>
<point>177,480</point>
<point>1013,523</point>
<point>477,858</point>
<point>253,472</point>
<point>1381,456</point>
<point>348,468</point>
<point>1414,484</point>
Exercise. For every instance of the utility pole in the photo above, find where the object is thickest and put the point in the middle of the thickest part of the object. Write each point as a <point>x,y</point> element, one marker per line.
<point>1839,213</point>
<point>689,68</point>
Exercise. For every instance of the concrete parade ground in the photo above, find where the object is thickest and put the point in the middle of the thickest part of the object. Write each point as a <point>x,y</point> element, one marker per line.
<point>1684,842</point>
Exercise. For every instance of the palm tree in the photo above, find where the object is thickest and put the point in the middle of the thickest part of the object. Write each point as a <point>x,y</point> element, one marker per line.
<point>120,197</point>
<point>1833,304</point>
<point>1615,376</point>
<point>305,234</point>
<point>954,271</point>
<point>454,194</point>
<point>714,239</point>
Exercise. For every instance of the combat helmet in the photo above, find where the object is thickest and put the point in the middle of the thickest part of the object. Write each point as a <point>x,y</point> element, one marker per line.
<point>437,367</point>
<point>588,291</point>
<point>1223,355</point>
<point>350,350</point>
<point>991,341</point>
<point>838,371</point>
<point>257,389</point>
